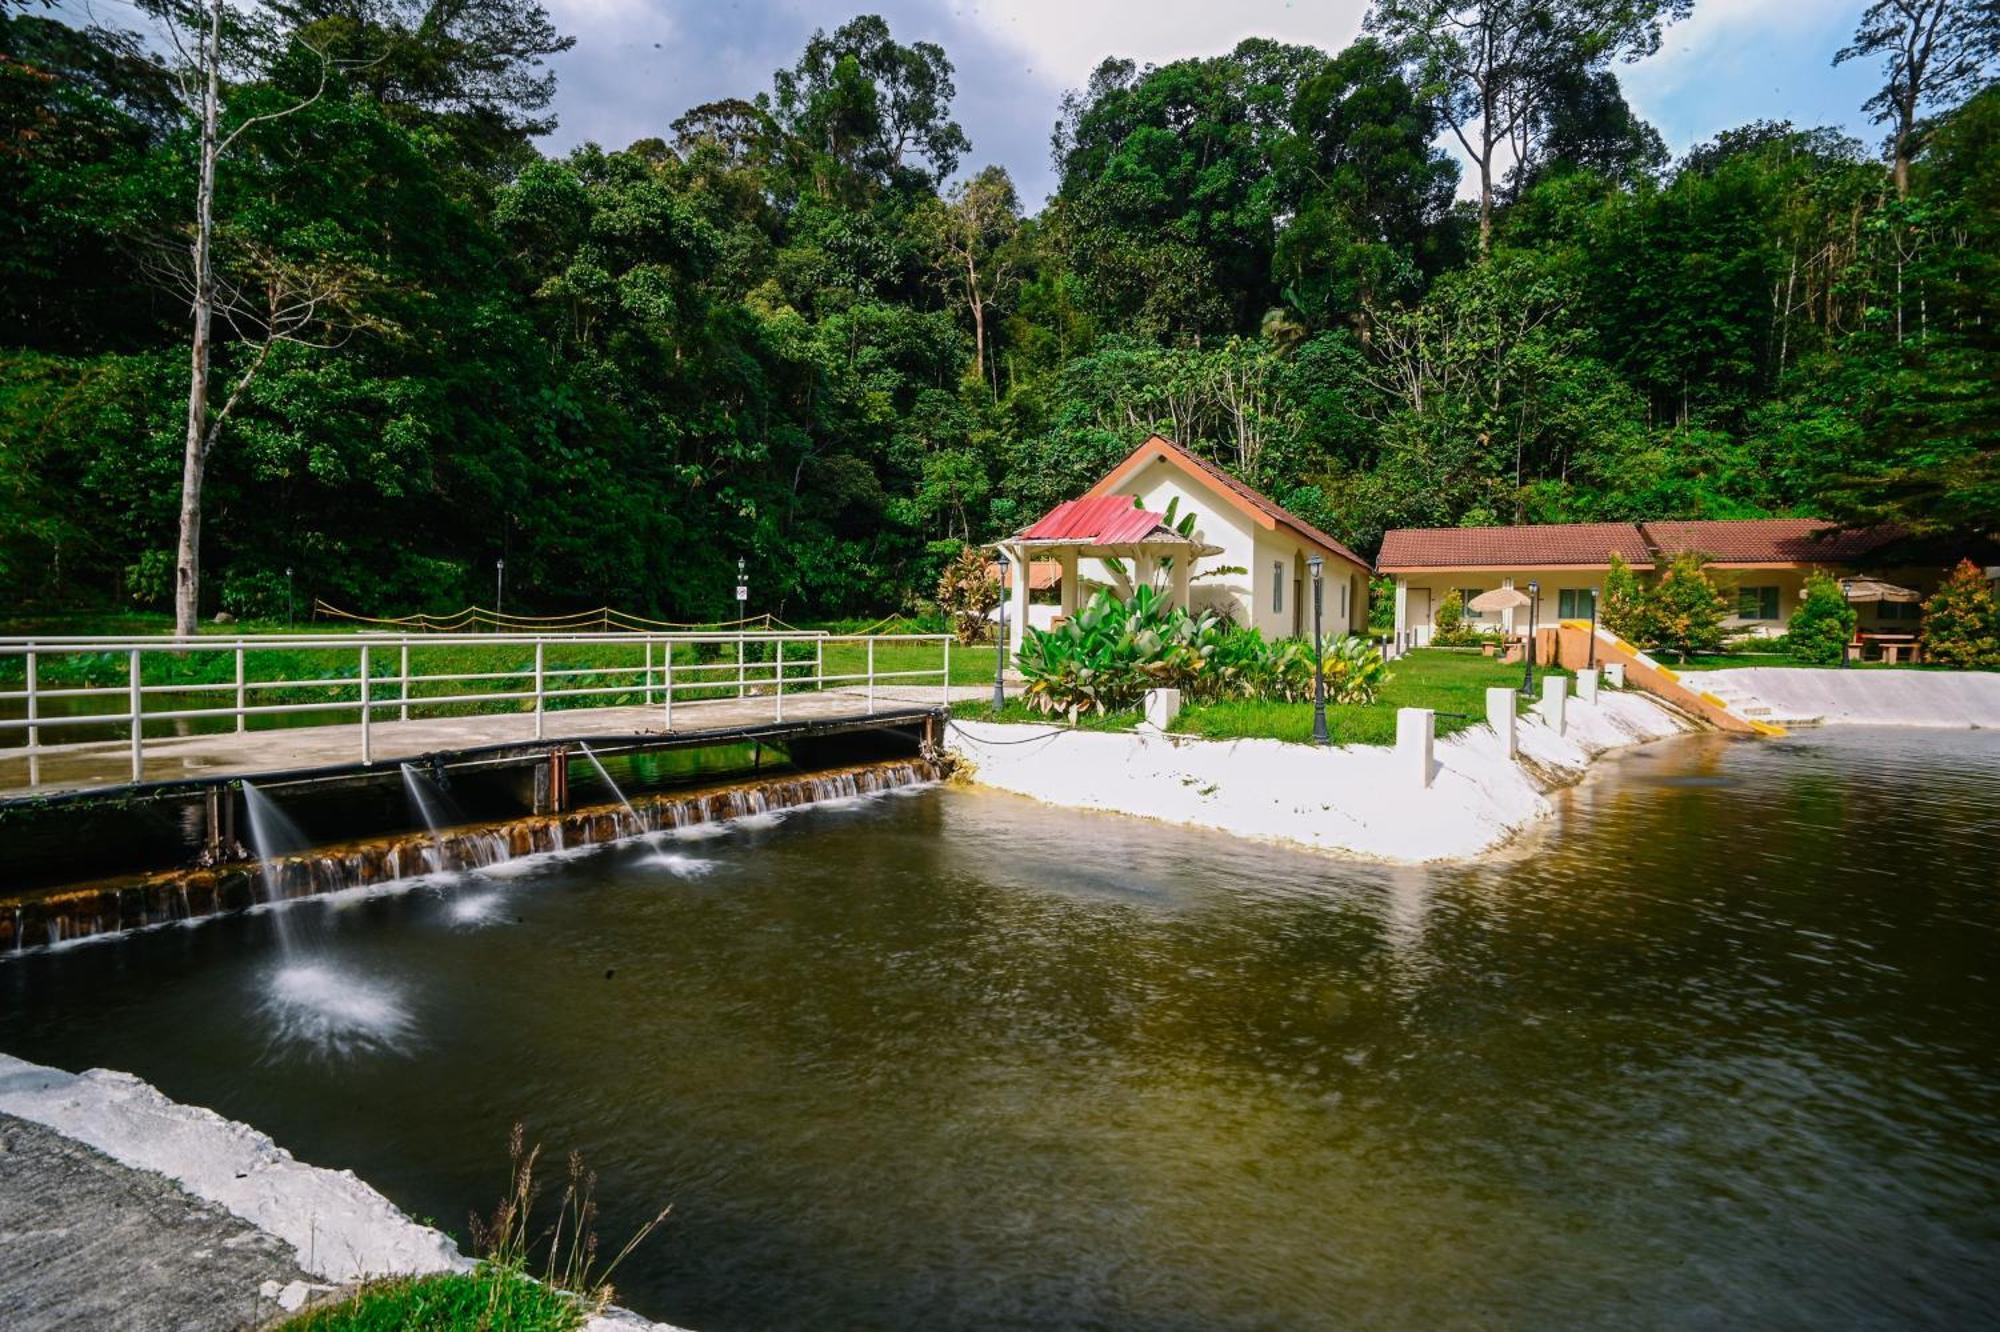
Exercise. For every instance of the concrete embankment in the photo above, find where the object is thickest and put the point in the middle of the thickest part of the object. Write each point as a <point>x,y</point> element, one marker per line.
<point>187,1164</point>
<point>1361,799</point>
<point>1961,699</point>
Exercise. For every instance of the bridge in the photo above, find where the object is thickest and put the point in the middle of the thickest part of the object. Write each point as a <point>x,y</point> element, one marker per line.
<point>98,713</point>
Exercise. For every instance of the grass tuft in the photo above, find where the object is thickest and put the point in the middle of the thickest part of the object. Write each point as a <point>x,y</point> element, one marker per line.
<point>491,1298</point>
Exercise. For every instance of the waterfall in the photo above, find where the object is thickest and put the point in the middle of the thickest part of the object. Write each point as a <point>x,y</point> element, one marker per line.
<point>637,826</point>
<point>272,835</point>
<point>419,788</point>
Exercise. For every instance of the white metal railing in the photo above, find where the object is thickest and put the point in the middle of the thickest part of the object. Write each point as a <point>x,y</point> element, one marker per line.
<point>660,669</point>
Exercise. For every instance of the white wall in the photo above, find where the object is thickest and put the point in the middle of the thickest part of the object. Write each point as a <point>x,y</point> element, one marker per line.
<point>1244,597</point>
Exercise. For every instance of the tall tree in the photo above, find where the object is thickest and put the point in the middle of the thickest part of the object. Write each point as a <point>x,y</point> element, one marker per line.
<point>969,235</point>
<point>1491,66</point>
<point>1933,53</point>
<point>863,104</point>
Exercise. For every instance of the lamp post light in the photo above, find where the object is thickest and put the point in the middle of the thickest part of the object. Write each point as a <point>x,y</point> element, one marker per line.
<point>1320,736</point>
<point>742,588</point>
<point>1528,657</point>
<point>288,596</point>
<point>499,586</point>
<point>1000,644</point>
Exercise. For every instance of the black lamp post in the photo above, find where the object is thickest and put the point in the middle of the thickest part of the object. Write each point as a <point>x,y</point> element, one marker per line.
<point>1320,736</point>
<point>1845,605</point>
<point>499,585</point>
<point>742,590</point>
<point>288,596</point>
<point>1528,658</point>
<point>1000,643</point>
<point>1591,663</point>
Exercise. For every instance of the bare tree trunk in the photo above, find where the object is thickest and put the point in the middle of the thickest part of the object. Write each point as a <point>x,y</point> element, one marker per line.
<point>187,562</point>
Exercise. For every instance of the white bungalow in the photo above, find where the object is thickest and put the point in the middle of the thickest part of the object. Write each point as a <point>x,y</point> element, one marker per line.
<point>1247,558</point>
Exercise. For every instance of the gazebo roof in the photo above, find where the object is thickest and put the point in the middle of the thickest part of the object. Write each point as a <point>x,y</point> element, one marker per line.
<point>1105,523</point>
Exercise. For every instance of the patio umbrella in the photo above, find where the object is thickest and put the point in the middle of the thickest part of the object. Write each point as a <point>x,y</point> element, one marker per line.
<point>1499,599</point>
<point>1871,589</point>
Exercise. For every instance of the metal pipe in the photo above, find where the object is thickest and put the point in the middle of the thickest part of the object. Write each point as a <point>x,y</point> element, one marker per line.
<point>670,685</point>
<point>241,721</point>
<point>367,736</point>
<point>403,688</point>
<point>138,729</point>
<point>34,731</point>
<point>540,685</point>
<point>871,677</point>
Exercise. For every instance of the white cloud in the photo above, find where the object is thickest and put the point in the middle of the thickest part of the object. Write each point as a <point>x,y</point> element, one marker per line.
<point>1066,39</point>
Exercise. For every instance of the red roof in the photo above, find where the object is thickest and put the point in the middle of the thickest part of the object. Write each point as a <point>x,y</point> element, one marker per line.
<point>1575,545</point>
<point>1727,541</point>
<point>1104,520</point>
<point>1765,540</point>
<point>1273,514</point>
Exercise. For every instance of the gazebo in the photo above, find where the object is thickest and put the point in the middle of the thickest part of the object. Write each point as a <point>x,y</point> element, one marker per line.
<point>1102,527</point>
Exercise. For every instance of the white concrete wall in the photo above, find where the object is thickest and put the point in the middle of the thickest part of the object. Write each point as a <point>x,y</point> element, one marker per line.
<point>1867,697</point>
<point>1362,798</point>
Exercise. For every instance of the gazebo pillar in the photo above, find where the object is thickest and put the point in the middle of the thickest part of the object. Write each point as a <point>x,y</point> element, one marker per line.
<point>1183,572</point>
<point>1017,612</point>
<point>1072,593</point>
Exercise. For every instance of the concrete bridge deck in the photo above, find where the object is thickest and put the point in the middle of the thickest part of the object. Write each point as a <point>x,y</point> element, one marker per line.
<point>107,763</point>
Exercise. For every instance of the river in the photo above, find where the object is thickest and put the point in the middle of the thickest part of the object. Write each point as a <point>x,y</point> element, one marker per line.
<point>1721,1046</point>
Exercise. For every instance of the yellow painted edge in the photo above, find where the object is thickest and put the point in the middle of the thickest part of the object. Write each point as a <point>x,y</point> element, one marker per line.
<point>1765,728</point>
<point>1711,698</point>
<point>1665,673</point>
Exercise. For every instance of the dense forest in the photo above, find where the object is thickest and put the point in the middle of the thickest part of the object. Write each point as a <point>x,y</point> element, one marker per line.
<point>808,328</point>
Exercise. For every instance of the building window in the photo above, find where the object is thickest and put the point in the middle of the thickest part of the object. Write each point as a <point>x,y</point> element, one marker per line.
<point>1574,603</point>
<point>1277,587</point>
<point>1343,601</point>
<point>1756,603</point>
<point>1465,596</point>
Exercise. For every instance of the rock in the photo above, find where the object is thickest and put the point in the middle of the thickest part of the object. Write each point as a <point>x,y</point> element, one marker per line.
<point>224,617</point>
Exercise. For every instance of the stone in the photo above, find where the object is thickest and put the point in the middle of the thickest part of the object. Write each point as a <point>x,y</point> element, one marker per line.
<point>1502,714</point>
<point>1416,736</point>
<point>1162,706</point>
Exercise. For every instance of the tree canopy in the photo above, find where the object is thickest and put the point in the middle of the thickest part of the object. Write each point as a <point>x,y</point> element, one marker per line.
<point>810,327</point>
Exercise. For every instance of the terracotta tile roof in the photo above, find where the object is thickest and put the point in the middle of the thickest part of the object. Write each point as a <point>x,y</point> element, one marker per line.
<point>1246,498</point>
<point>1103,520</point>
<point>1765,540</point>
<point>1578,545</point>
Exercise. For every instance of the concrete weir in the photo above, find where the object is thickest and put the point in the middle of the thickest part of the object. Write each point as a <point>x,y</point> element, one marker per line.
<point>93,863</point>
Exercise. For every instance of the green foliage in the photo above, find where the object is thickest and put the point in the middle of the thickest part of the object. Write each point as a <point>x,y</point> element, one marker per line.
<point>1624,608</point>
<point>771,336</point>
<point>490,1298</point>
<point>1962,621</point>
<point>1105,657</point>
<point>1354,669</point>
<point>1823,625</point>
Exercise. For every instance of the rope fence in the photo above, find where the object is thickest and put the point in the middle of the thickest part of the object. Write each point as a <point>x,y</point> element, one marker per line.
<point>606,619</point>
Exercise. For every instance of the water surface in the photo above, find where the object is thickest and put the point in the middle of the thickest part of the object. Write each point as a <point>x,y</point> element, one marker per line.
<point>1721,1048</point>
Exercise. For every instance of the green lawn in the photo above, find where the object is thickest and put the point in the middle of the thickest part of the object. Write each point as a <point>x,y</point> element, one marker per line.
<point>1447,682</point>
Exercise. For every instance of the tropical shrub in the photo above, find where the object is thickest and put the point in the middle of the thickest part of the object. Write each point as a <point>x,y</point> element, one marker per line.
<point>1451,629</point>
<point>967,592</point>
<point>1355,671</point>
<point>1962,621</point>
<point>1823,625</point>
<point>1684,611</point>
<point>1106,656</point>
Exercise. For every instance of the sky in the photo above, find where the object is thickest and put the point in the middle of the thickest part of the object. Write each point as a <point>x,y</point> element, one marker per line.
<point>638,64</point>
